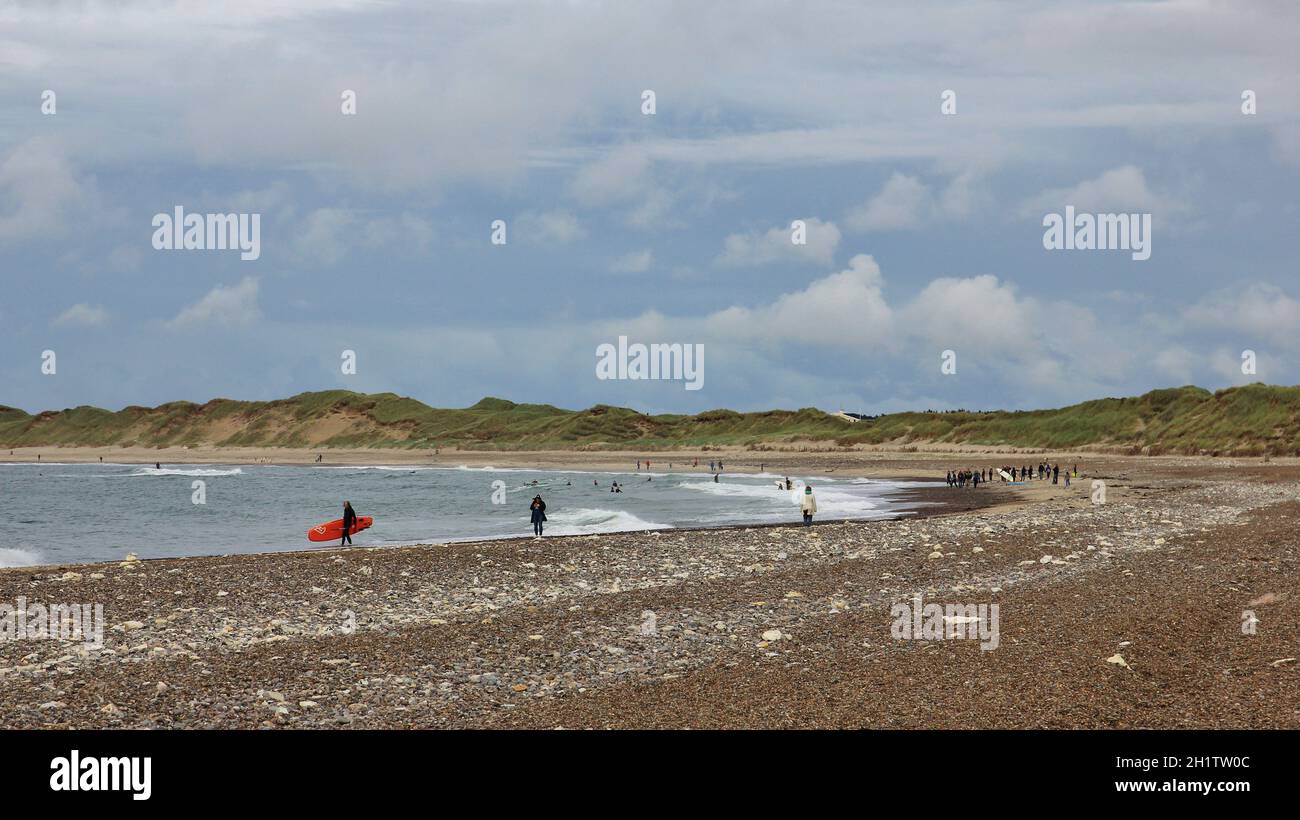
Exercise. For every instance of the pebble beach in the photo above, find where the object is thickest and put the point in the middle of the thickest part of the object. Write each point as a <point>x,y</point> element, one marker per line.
<point>1172,605</point>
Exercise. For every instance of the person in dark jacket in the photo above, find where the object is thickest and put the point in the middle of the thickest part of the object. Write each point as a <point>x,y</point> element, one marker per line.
<point>349,519</point>
<point>538,508</point>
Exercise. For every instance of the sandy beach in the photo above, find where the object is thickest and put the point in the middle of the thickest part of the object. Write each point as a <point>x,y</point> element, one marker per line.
<point>925,460</point>
<point>1124,614</point>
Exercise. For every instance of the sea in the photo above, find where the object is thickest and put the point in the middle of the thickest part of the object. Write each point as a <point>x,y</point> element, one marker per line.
<point>79,513</point>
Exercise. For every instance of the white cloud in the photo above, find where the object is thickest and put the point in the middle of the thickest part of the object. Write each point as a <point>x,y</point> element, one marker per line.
<point>959,199</point>
<point>82,315</point>
<point>616,176</point>
<point>1119,190</point>
<point>902,203</point>
<point>635,262</point>
<point>1257,310</point>
<point>845,309</point>
<point>975,312</point>
<point>324,235</point>
<point>548,227</point>
<point>124,259</point>
<point>39,191</point>
<point>622,176</point>
<point>327,235</point>
<point>405,230</point>
<point>233,305</point>
<point>777,245</point>
<point>1178,363</point>
<point>905,202</point>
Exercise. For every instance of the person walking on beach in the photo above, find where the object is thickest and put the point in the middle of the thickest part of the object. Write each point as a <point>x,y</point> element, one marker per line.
<point>349,519</point>
<point>538,508</point>
<point>808,505</point>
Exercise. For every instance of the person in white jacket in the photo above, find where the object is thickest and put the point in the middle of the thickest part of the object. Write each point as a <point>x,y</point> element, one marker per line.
<point>808,505</point>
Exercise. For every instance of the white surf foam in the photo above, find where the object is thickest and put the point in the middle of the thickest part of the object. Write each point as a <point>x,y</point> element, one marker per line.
<point>19,558</point>
<point>397,469</point>
<point>733,490</point>
<point>464,467</point>
<point>588,521</point>
<point>837,503</point>
<point>191,472</point>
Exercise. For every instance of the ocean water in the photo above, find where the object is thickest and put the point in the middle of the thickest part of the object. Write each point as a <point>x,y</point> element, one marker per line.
<point>77,513</point>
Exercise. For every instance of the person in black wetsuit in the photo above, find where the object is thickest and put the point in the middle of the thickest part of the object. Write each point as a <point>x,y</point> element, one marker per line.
<point>349,518</point>
<point>538,512</point>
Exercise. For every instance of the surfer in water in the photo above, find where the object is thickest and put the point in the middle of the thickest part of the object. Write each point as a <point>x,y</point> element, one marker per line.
<point>349,518</point>
<point>538,508</point>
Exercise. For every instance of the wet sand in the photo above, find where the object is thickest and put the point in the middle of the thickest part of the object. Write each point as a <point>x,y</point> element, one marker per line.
<point>739,627</point>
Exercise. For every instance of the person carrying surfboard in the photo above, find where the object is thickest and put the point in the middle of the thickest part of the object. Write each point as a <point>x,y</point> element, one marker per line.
<point>349,518</point>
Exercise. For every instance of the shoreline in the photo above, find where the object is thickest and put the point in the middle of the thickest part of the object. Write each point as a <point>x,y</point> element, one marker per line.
<point>918,504</point>
<point>812,453</point>
<point>744,627</point>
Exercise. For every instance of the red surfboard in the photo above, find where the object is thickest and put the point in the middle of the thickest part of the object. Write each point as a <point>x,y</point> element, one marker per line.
<point>333,531</point>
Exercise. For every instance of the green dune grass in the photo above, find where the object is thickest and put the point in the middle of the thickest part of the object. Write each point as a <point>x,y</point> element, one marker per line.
<point>1255,419</point>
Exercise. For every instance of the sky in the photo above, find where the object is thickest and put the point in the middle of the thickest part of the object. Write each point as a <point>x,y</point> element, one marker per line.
<point>923,211</point>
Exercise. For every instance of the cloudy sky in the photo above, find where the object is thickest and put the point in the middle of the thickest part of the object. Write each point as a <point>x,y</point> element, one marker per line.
<point>924,229</point>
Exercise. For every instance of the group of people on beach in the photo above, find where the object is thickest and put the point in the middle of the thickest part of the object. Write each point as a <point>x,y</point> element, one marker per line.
<point>1025,472</point>
<point>695,463</point>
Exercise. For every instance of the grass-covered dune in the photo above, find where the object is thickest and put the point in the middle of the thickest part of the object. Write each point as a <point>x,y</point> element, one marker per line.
<point>1256,419</point>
